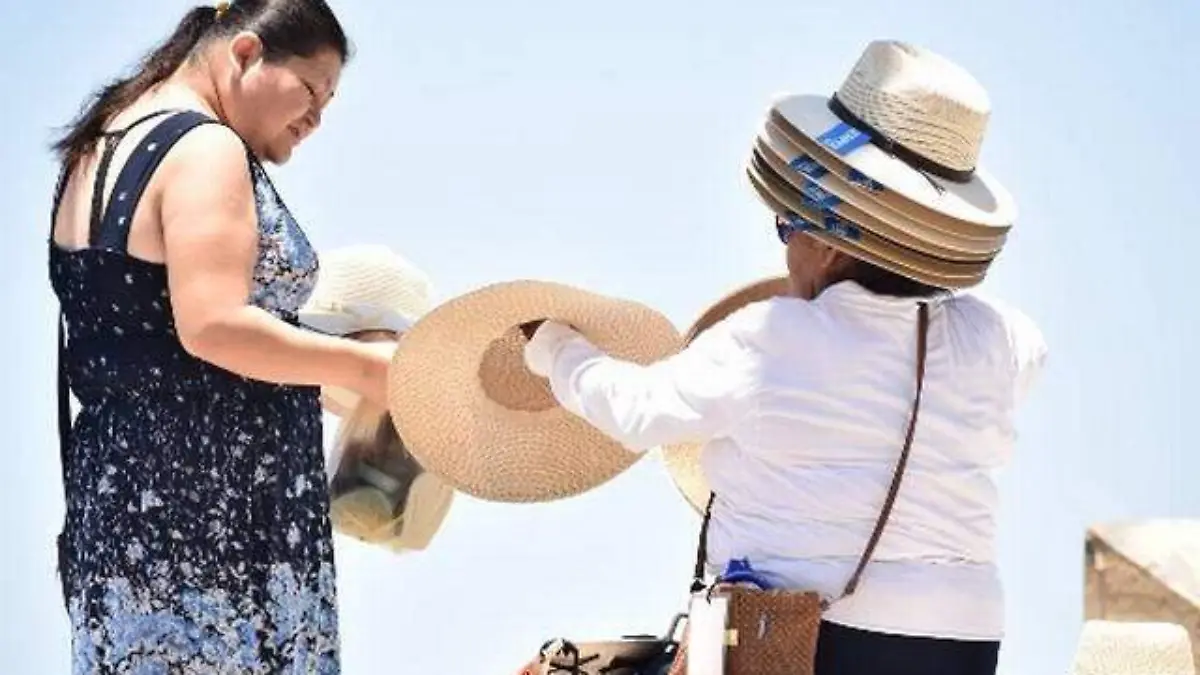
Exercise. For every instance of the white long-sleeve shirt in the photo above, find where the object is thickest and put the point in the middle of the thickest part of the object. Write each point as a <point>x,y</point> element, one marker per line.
<point>803,406</point>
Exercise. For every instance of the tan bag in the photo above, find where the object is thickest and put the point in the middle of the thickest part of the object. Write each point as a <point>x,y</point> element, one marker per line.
<point>630,655</point>
<point>774,632</point>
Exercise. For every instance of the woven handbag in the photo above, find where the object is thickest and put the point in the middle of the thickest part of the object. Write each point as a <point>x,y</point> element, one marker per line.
<point>774,632</point>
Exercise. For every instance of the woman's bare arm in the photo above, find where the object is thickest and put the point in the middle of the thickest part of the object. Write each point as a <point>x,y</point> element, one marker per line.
<point>210,234</point>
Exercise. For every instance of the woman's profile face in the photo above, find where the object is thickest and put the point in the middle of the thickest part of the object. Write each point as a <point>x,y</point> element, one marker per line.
<point>274,106</point>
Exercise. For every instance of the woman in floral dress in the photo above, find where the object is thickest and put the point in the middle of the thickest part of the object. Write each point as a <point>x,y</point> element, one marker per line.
<point>196,537</point>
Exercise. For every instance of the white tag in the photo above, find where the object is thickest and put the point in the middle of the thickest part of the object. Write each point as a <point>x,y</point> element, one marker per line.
<point>706,635</point>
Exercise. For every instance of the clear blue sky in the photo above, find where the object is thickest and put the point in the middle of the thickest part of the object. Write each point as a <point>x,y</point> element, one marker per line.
<point>601,144</point>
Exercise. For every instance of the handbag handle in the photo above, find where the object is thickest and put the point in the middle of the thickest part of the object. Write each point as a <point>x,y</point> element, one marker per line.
<point>893,490</point>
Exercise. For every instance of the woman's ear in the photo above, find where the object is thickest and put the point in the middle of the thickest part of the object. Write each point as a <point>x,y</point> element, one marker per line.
<point>245,50</point>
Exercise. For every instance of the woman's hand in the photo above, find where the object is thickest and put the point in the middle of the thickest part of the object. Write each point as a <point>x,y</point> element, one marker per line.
<point>377,361</point>
<point>543,347</point>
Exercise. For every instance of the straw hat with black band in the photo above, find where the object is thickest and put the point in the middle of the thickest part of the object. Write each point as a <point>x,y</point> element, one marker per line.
<point>473,413</point>
<point>885,171</point>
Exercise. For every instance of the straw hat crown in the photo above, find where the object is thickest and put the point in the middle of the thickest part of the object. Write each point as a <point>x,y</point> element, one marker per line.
<point>473,414</point>
<point>367,287</point>
<point>363,288</point>
<point>887,169</point>
<point>920,100</point>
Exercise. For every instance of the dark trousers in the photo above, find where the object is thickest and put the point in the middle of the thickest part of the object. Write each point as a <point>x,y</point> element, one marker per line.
<point>849,651</point>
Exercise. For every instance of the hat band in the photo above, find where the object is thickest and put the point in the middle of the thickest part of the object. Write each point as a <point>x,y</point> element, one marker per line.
<point>896,149</point>
<point>335,318</point>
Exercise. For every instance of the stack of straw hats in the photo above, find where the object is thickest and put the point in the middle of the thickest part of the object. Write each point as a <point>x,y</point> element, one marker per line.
<point>885,170</point>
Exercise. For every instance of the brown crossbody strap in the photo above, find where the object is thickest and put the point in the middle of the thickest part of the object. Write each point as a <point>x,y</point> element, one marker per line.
<point>886,511</point>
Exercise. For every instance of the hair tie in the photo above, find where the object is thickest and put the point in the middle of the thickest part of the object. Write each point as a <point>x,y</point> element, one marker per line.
<point>222,8</point>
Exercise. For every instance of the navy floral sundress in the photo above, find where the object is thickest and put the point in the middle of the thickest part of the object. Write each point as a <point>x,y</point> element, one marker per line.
<point>197,537</point>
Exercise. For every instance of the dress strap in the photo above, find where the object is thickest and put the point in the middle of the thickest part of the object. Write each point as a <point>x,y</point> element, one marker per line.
<point>135,175</point>
<point>113,229</point>
<point>109,142</point>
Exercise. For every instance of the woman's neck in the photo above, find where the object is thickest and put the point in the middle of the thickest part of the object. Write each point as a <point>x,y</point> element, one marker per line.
<point>194,86</point>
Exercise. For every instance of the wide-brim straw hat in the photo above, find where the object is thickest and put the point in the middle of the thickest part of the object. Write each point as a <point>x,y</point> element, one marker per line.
<point>360,289</point>
<point>474,414</point>
<point>887,169</point>
<point>683,459</point>
<point>1133,648</point>
<point>400,510</point>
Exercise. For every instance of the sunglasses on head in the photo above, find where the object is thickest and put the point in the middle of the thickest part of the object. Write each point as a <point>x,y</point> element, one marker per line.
<point>832,225</point>
<point>786,228</point>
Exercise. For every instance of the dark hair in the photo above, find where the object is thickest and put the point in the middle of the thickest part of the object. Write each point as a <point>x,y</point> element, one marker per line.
<point>286,27</point>
<point>884,282</point>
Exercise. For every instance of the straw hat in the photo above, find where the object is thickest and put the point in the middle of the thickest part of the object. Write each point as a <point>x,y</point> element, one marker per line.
<point>475,415</point>
<point>887,169</point>
<point>380,494</point>
<point>683,459</point>
<point>1133,648</point>
<point>363,289</point>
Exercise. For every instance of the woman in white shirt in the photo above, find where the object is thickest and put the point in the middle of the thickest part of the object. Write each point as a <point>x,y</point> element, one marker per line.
<point>803,401</point>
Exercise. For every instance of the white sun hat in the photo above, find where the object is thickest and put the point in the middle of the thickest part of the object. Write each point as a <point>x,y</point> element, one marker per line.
<point>361,289</point>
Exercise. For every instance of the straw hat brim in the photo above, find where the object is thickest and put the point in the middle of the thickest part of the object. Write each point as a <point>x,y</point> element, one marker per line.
<point>473,414</point>
<point>783,199</point>
<point>361,514</point>
<point>425,509</point>
<point>870,234</point>
<point>981,207</point>
<point>1133,648</point>
<point>364,514</point>
<point>683,459</point>
<point>340,323</point>
<point>854,204</point>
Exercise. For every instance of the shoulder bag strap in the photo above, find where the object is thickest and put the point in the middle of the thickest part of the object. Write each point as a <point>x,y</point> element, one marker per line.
<point>893,490</point>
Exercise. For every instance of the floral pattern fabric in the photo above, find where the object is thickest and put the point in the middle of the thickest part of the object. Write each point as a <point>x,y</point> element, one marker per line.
<point>196,537</point>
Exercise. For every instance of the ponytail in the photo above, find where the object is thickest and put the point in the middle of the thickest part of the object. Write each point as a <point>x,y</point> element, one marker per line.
<point>159,64</point>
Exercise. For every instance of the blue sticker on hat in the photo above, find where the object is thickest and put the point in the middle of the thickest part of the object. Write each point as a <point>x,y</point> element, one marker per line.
<point>808,166</point>
<point>830,224</point>
<point>862,180</point>
<point>822,199</point>
<point>842,228</point>
<point>799,224</point>
<point>843,139</point>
